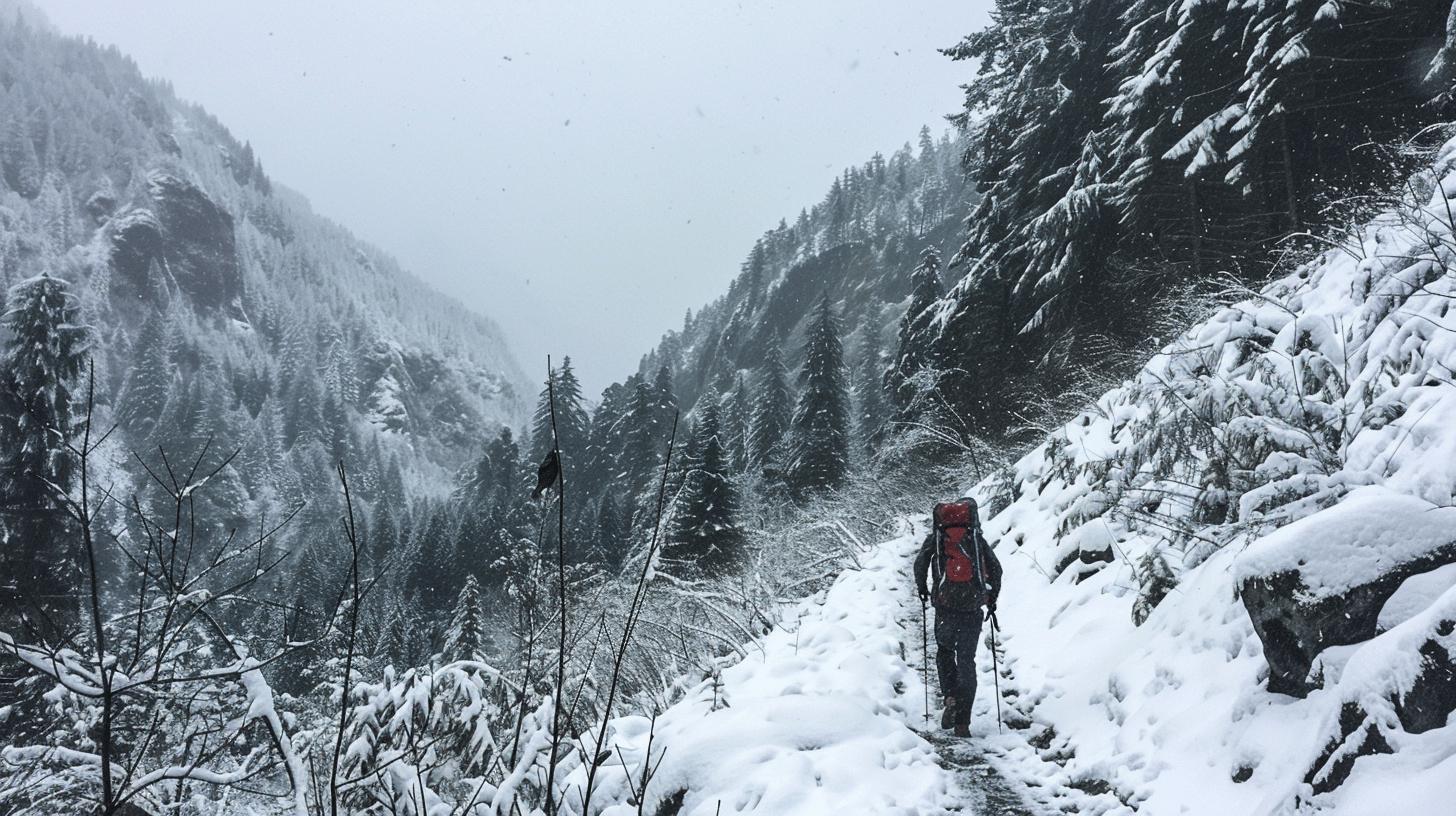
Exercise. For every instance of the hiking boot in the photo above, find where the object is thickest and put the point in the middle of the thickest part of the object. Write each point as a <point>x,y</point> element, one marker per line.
<point>963,729</point>
<point>947,716</point>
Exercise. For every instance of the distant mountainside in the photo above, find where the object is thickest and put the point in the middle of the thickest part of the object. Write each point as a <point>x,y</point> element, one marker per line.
<point>858,246</point>
<point>222,306</point>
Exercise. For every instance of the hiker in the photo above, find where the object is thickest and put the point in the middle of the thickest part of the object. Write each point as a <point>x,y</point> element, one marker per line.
<point>959,574</point>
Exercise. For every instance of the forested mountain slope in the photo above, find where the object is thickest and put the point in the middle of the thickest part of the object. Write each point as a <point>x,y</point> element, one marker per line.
<point>221,313</point>
<point>156,212</point>
<point>857,247</point>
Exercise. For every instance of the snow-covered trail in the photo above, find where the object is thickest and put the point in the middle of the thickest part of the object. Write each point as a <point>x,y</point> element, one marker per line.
<point>975,763</point>
<point>825,716</point>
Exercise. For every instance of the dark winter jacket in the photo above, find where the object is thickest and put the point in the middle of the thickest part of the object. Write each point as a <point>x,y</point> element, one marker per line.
<point>989,587</point>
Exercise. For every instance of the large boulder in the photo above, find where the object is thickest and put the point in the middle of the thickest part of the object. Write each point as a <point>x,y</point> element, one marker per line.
<point>1400,684</point>
<point>1322,581</point>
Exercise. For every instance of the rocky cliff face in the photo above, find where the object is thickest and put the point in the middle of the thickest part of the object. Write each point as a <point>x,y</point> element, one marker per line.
<point>176,237</point>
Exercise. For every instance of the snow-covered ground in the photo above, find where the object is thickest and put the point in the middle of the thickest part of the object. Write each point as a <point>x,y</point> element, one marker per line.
<point>820,718</point>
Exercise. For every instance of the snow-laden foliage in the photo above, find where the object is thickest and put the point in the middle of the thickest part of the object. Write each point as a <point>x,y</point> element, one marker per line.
<point>1124,148</point>
<point>1260,512</point>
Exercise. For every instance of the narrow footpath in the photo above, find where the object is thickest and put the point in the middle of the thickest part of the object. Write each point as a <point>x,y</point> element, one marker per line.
<point>985,791</point>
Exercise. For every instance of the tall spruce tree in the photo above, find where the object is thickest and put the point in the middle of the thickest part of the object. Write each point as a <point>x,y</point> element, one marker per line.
<point>149,378</point>
<point>705,530</point>
<point>572,422</point>
<point>736,411</point>
<point>917,351</point>
<point>465,638</point>
<point>642,453</point>
<point>819,432</point>
<point>611,533</point>
<point>38,371</point>
<point>869,392</point>
<point>772,412</point>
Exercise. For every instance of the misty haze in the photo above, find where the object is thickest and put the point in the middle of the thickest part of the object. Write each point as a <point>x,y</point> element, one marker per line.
<point>689,409</point>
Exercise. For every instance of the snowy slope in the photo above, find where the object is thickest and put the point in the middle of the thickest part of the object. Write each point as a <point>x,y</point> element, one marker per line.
<point>1272,499</point>
<point>816,720</point>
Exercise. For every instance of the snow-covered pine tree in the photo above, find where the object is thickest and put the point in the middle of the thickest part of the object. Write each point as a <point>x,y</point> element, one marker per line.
<point>435,568</point>
<point>869,392</point>
<point>149,377</point>
<point>773,409</point>
<point>572,422</point>
<point>396,642</point>
<point>705,533</point>
<point>611,532</point>
<point>39,369</point>
<point>916,349</point>
<point>465,639</point>
<point>641,454</point>
<point>303,415</point>
<point>18,162</point>
<point>605,446</point>
<point>819,432</point>
<point>736,411</point>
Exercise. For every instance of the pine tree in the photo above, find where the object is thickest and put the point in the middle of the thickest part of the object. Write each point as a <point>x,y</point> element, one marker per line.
<point>736,411</point>
<point>772,412</point>
<point>396,642</point>
<point>337,430</point>
<point>506,468</point>
<point>41,364</point>
<point>19,166</point>
<point>435,567</point>
<point>819,433</point>
<point>611,532</point>
<point>705,529</point>
<point>917,351</point>
<point>465,639</point>
<point>303,419</point>
<point>572,422</point>
<point>642,455</point>
<point>869,392</point>
<point>149,379</point>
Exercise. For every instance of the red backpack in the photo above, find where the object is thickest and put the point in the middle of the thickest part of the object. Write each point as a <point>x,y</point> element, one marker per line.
<point>955,524</point>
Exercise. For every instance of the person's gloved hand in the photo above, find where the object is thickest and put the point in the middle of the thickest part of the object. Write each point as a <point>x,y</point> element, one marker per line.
<point>990,609</point>
<point>924,595</point>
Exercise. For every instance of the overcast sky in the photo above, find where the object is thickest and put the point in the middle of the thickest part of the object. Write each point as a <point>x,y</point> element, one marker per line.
<point>580,172</point>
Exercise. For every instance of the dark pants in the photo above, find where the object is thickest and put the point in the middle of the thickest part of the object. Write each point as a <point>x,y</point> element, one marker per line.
<point>956,636</point>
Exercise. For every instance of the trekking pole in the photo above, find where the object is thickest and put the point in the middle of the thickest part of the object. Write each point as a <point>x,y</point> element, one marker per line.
<point>995,668</point>
<point>924,660</point>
